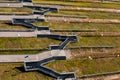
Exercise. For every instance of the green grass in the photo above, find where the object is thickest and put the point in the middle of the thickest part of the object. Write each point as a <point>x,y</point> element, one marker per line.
<point>8,26</point>
<point>86,66</point>
<point>102,27</point>
<point>26,42</point>
<point>41,23</point>
<point>94,53</point>
<point>38,43</point>
<point>10,71</point>
<point>15,11</point>
<point>97,41</point>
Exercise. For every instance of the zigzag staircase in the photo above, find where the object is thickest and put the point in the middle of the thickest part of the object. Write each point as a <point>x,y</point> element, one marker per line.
<point>39,66</point>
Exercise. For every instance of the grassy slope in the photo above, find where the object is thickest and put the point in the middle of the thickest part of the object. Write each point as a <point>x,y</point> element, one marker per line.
<point>98,41</point>
<point>10,71</point>
<point>37,43</point>
<point>81,66</point>
<point>15,10</point>
<point>98,26</point>
<point>87,66</point>
<point>8,25</point>
<point>24,42</point>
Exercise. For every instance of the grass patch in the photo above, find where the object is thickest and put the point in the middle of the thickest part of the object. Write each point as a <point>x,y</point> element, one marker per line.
<point>86,66</point>
<point>102,27</point>
<point>38,43</point>
<point>26,42</point>
<point>15,11</point>
<point>97,41</point>
<point>41,23</point>
<point>9,26</point>
<point>11,71</point>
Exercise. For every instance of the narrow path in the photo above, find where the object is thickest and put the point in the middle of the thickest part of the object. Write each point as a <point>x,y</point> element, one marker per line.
<point>102,34</point>
<point>102,76</point>
<point>67,19</point>
<point>23,34</point>
<point>99,1</point>
<point>92,34</point>
<point>10,17</point>
<point>13,4</point>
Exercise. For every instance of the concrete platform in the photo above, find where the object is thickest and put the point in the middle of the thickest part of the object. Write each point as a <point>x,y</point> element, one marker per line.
<point>10,17</point>
<point>35,57</point>
<point>23,34</point>
<point>14,4</point>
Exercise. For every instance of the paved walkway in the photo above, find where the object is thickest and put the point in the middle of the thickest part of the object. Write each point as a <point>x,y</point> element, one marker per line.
<point>23,34</point>
<point>10,17</point>
<point>35,57</point>
<point>13,4</point>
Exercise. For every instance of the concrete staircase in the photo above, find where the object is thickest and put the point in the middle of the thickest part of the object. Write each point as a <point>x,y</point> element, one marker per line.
<point>63,44</point>
<point>44,9</point>
<point>24,1</point>
<point>39,65</point>
<point>28,23</point>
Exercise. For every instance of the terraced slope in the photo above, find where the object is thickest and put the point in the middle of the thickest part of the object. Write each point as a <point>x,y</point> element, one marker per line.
<point>87,60</point>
